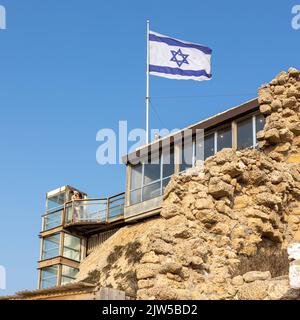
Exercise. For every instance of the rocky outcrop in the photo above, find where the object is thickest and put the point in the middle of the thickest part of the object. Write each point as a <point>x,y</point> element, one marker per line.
<point>225,226</point>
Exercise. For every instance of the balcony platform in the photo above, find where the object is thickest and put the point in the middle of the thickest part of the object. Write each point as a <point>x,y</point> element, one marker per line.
<point>89,228</point>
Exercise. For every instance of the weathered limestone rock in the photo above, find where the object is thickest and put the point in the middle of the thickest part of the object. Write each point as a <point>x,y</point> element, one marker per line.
<point>289,103</point>
<point>272,136</point>
<point>265,98</point>
<point>296,141</point>
<point>233,168</point>
<point>256,290</point>
<point>146,270</point>
<point>143,284</point>
<point>218,188</point>
<point>241,202</point>
<point>295,128</point>
<point>150,257</point>
<point>237,281</point>
<point>161,247</point>
<point>267,199</point>
<point>294,72</point>
<point>256,275</point>
<point>275,105</point>
<point>283,147</point>
<point>171,267</point>
<point>171,211</point>
<point>204,204</point>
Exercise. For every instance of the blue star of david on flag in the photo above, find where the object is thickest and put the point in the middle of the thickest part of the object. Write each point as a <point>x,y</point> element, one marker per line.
<point>177,59</point>
<point>180,54</point>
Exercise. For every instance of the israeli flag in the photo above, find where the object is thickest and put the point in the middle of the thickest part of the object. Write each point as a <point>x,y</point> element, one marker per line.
<point>177,59</point>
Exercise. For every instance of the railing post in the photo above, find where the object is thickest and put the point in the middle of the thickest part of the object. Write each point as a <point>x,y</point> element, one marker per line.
<point>63,216</point>
<point>107,209</point>
<point>72,212</point>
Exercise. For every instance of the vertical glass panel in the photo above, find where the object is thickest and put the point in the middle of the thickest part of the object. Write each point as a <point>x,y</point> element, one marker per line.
<point>49,277</point>
<point>56,202</point>
<point>245,134</point>
<point>88,210</point>
<point>136,177</point>
<point>51,246</point>
<point>199,145</point>
<point>116,211</point>
<point>260,122</point>
<point>68,274</point>
<point>209,145</point>
<point>71,247</point>
<point>168,164</point>
<point>224,138</point>
<point>52,220</point>
<point>152,191</point>
<point>151,171</point>
<point>186,157</point>
<point>165,183</point>
<point>69,213</point>
<point>135,196</point>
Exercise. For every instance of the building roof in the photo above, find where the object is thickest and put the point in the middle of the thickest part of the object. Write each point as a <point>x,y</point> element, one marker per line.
<point>206,124</point>
<point>68,288</point>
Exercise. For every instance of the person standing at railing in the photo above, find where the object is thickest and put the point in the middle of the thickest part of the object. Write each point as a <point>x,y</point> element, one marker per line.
<point>76,205</point>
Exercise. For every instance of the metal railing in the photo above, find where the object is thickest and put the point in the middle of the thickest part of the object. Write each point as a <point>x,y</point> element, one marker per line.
<point>105,210</point>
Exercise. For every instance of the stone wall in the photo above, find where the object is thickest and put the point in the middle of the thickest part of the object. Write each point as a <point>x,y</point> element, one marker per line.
<point>225,226</point>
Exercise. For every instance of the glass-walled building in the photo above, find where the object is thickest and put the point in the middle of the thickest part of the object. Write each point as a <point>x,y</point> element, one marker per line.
<point>72,227</point>
<point>146,180</point>
<point>61,251</point>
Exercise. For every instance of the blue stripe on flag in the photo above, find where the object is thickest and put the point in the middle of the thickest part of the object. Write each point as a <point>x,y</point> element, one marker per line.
<point>177,71</point>
<point>174,42</point>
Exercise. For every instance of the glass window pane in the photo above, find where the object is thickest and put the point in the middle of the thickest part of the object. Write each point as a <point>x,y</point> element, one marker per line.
<point>151,171</point>
<point>135,196</point>
<point>49,277</point>
<point>69,213</point>
<point>165,183</point>
<point>168,164</point>
<point>68,274</point>
<point>260,122</point>
<point>151,191</point>
<point>87,210</point>
<point>65,280</point>
<point>209,145</point>
<point>69,271</point>
<point>136,177</point>
<point>52,220</point>
<point>186,157</point>
<point>56,202</point>
<point>199,146</point>
<point>224,138</point>
<point>71,247</point>
<point>245,134</point>
<point>51,246</point>
<point>116,211</point>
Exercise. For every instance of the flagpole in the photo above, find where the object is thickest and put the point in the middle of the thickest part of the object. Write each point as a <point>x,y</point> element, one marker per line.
<point>147,85</point>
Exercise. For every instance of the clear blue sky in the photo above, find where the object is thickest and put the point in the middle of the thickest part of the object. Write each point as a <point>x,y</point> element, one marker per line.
<point>69,68</point>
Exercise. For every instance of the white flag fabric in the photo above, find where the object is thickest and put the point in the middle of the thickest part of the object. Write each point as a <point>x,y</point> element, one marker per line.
<point>177,59</point>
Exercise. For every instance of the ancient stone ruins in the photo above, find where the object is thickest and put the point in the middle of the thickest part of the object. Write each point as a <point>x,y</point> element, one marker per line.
<point>225,227</point>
